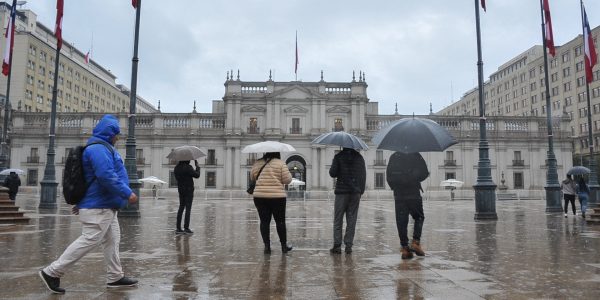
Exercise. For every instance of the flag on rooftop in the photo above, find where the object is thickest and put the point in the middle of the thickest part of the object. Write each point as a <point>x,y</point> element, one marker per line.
<point>10,39</point>
<point>548,28</point>
<point>483,5</point>
<point>58,28</point>
<point>588,46</point>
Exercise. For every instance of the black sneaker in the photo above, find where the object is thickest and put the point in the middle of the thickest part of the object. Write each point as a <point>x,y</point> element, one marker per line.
<point>52,283</point>
<point>188,231</point>
<point>335,250</point>
<point>125,281</point>
<point>179,231</point>
<point>348,250</point>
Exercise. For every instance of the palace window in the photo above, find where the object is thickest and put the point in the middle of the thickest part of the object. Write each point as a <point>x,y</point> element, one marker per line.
<point>253,126</point>
<point>338,125</point>
<point>211,179</point>
<point>380,180</point>
<point>518,180</point>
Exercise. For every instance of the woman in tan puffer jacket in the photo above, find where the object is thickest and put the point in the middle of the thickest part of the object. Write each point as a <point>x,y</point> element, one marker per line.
<point>270,197</point>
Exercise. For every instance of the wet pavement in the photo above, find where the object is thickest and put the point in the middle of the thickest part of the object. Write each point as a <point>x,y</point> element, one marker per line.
<point>526,254</point>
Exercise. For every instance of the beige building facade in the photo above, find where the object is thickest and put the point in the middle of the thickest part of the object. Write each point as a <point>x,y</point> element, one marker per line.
<point>296,113</point>
<point>81,86</point>
<point>517,88</point>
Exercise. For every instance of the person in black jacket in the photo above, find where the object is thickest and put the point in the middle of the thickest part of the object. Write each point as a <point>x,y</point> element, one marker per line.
<point>404,174</point>
<point>185,174</point>
<point>348,167</point>
<point>12,182</point>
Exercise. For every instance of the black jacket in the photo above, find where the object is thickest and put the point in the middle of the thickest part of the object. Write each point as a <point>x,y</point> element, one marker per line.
<point>348,167</point>
<point>185,174</point>
<point>12,182</point>
<point>404,173</point>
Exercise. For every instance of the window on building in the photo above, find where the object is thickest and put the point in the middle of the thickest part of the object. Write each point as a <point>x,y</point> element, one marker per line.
<point>450,175</point>
<point>566,72</point>
<point>211,158</point>
<point>172,180</point>
<point>296,126</point>
<point>338,125</point>
<point>253,126</point>
<point>579,67</point>
<point>140,173</point>
<point>32,177</point>
<point>379,161</point>
<point>211,179</point>
<point>518,180</point>
<point>379,180</point>
<point>139,156</point>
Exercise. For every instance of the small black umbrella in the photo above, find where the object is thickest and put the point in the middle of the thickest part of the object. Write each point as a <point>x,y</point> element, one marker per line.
<point>342,139</point>
<point>578,170</point>
<point>411,135</point>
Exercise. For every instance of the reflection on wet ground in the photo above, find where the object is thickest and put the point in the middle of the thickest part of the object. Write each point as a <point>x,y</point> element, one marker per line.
<point>527,253</point>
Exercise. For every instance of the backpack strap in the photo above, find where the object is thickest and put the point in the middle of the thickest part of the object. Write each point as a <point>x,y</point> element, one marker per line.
<point>260,171</point>
<point>107,145</point>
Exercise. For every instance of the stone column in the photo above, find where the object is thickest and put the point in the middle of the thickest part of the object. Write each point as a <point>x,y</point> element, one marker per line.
<point>237,166</point>
<point>227,167</point>
<point>314,162</point>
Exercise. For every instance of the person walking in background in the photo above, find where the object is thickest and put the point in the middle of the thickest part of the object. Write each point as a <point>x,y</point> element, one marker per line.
<point>569,188</point>
<point>12,182</point>
<point>348,167</point>
<point>404,174</point>
<point>271,174</point>
<point>583,193</point>
<point>108,191</point>
<point>185,174</point>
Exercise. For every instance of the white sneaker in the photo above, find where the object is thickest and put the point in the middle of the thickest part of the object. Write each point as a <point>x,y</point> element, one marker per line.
<point>565,215</point>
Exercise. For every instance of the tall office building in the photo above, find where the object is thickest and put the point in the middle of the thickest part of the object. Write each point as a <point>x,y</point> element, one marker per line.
<point>517,89</point>
<point>82,86</point>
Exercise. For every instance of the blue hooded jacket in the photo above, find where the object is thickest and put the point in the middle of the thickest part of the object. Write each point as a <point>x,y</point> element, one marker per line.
<point>104,170</point>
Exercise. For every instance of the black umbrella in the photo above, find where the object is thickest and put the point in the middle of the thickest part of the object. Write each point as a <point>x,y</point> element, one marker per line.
<point>411,135</point>
<point>578,170</point>
<point>342,139</point>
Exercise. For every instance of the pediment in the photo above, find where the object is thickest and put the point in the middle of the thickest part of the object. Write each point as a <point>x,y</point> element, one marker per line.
<point>294,92</point>
<point>295,109</point>
<point>253,108</point>
<point>338,109</point>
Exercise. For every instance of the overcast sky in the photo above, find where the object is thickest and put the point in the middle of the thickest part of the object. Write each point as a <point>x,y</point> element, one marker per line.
<point>413,52</point>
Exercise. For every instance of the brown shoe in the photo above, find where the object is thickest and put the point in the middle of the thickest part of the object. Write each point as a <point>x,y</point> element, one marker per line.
<point>415,247</point>
<point>406,254</point>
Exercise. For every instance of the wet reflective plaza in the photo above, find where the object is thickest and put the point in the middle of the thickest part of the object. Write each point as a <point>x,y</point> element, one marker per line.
<point>525,254</point>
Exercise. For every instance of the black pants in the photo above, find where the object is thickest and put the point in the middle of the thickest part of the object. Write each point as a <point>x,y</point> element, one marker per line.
<point>569,198</point>
<point>405,205</point>
<point>12,195</point>
<point>268,207</point>
<point>186,196</point>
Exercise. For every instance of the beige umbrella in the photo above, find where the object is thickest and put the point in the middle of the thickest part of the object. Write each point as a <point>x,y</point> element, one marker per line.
<point>186,153</point>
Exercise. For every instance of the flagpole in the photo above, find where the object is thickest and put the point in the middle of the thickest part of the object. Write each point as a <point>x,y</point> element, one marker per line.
<point>485,188</point>
<point>132,210</point>
<point>552,186</point>
<point>4,164</point>
<point>593,178</point>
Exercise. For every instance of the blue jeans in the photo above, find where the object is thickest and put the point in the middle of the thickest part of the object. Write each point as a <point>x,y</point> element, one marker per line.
<point>583,201</point>
<point>405,205</point>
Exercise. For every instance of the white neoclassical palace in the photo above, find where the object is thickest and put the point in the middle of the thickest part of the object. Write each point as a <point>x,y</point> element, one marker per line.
<point>295,113</point>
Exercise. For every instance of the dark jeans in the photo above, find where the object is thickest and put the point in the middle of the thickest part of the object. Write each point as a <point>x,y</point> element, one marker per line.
<point>569,198</point>
<point>274,207</point>
<point>12,195</point>
<point>186,196</point>
<point>345,204</point>
<point>405,205</point>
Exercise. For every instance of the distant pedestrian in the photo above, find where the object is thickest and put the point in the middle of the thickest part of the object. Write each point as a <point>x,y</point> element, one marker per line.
<point>271,174</point>
<point>569,189</point>
<point>12,182</point>
<point>404,175</point>
<point>107,192</point>
<point>583,193</point>
<point>348,167</point>
<point>185,174</point>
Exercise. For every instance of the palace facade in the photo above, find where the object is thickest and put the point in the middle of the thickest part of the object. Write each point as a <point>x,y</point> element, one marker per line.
<point>295,113</point>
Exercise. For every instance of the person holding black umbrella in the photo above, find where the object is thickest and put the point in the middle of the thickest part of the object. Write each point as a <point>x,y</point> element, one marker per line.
<point>185,174</point>
<point>404,174</point>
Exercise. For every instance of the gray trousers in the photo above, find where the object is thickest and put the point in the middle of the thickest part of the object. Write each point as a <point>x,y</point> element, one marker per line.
<point>345,204</point>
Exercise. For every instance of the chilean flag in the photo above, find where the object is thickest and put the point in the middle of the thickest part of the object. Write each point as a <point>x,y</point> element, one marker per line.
<point>588,45</point>
<point>548,26</point>
<point>58,28</point>
<point>10,39</point>
<point>134,3</point>
<point>483,5</point>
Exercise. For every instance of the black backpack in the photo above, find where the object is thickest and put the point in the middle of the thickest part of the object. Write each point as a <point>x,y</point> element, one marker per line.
<point>73,181</point>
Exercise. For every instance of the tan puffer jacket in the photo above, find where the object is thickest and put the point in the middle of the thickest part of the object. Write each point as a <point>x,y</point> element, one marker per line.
<point>272,179</point>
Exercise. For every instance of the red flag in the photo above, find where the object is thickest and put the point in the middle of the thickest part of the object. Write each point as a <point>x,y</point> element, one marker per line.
<point>10,39</point>
<point>58,28</point>
<point>483,5</point>
<point>87,57</point>
<point>548,29</point>
<point>134,3</point>
<point>588,46</point>
<point>296,68</point>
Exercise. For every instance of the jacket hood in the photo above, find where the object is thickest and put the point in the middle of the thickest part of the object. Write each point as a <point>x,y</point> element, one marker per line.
<point>107,128</point>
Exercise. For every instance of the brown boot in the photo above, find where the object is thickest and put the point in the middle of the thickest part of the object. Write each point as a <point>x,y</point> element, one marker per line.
<point>415,247</point>
<point>406,254</point>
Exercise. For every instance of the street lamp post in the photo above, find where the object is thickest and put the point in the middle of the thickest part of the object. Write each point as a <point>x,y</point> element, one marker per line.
<point>485,188</point>
<point>132,210</point>
<point>552,186</point>
<point>49,184</point>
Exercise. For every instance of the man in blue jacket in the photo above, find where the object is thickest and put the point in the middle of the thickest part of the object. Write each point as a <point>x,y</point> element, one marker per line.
<point>108,191</point>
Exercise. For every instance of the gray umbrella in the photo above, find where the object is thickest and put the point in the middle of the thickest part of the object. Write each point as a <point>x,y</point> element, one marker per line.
<point>342,139</point>
<point>411,135</point>
<point>185,153</point>
<point>578,170</point>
